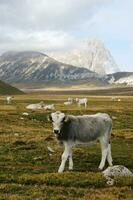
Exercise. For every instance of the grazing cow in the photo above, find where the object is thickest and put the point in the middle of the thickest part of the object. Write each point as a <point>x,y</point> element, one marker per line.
<point>9,99</point>
<point>70,99</point>
<point>36,106</point>
<point>71,130</point>
<point>115,99</point>
<point>82,101</point>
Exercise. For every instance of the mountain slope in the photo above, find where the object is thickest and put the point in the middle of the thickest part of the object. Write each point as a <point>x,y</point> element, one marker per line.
<point>6,89</point>
<point>90,54</point>
<point>125,78</point>
<point>37,67</point>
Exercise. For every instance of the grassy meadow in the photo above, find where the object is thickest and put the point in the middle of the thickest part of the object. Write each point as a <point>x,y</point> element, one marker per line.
<point>28,171</point>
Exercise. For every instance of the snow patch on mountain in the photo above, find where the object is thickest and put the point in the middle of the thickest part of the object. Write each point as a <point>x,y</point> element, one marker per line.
<point>125,80</point>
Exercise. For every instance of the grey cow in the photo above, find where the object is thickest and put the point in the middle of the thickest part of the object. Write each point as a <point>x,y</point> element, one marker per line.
<point>71,130</point>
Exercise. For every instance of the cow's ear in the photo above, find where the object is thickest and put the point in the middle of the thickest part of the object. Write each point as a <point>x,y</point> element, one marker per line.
<point>49,118</point>
<point>66,119</point>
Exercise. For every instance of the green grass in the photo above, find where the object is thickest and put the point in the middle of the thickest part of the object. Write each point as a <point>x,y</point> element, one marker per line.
<point>29,171</point>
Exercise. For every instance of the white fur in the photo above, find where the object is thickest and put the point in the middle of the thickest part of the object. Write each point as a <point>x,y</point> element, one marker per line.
<point>67,153</point>
<point>82,101</point>
<point>58,120</point>
<point>70,99</point>
<point>67,103</point>
<point>49,107</point>
<point>9,99</point>
<point>35,106</point>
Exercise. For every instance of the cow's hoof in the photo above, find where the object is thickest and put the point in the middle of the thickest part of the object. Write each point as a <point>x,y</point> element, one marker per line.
<point>60,171</point>
<point>100,168</point>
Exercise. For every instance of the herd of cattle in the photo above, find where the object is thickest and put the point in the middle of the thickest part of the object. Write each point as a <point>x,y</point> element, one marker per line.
<point>71,130</point>
<point>42,105</point>
<point>69,101</point>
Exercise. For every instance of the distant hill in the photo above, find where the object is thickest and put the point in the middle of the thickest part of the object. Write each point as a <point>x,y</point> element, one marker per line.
<point>35,67</point>
<point>6,89</point>
<point>125,78</point>
<point>38,69</point>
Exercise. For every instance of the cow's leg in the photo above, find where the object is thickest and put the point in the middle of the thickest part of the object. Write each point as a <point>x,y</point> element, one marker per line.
<point>104,149</point>
<point>85,105</point>
<point>109,157</point>
<point>70,160</point>
<point>64,157</point>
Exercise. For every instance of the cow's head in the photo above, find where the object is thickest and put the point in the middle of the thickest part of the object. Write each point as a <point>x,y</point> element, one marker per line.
<point>58,119</point>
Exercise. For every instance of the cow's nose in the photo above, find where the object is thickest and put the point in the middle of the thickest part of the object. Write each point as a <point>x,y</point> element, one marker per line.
<point>56,131</point>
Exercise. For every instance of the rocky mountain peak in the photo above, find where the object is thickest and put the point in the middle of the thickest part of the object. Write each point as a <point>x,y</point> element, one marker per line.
<point>91,54</point>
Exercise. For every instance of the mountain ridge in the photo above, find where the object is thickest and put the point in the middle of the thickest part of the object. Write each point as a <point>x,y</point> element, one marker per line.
<point>125,78</point>
<point>35,66</point>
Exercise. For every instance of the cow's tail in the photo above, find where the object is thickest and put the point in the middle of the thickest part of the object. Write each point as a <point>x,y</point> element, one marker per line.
<point>109,156</point>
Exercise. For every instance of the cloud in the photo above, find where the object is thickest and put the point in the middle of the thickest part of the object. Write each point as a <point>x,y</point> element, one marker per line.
<point>44,24</point>
<point>47,14</point>
<point>39,41</point>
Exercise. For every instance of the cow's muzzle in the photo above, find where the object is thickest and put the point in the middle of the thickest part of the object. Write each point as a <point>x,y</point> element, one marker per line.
<point>56,131</point>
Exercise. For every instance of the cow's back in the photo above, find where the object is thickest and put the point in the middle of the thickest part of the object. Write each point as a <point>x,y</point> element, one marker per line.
<point>89,127</point>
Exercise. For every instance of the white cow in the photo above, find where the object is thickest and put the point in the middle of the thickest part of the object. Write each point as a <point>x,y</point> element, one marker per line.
<point>70,99</point>
<point>9,99</point>
<point>36,106</point>
<point>115,99</point>
<point>67,103</point>
<point>49,107</point>
<point>82,101</point>
<point>71,130</point>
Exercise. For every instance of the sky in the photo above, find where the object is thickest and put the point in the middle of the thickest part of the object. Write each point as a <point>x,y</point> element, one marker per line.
<point>58,25</point>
